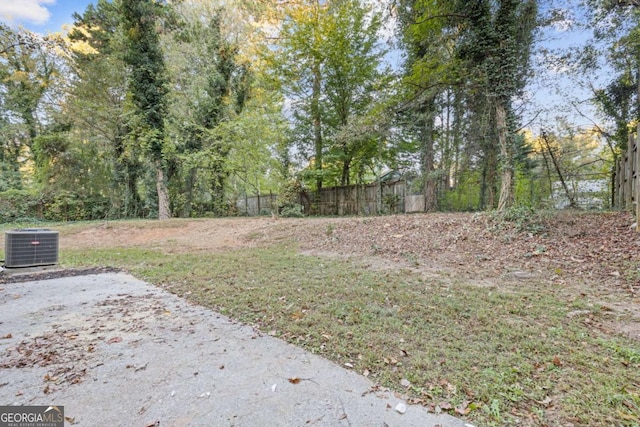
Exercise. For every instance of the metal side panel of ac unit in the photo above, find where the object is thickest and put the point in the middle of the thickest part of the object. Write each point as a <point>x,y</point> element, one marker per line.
<point>30,247</point>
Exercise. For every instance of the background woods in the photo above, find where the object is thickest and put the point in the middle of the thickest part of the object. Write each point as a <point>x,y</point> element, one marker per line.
<point>160,109</point>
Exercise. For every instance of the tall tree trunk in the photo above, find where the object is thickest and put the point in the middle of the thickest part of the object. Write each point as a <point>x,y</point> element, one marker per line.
<point>638,79</point>
<point>346,173</point>
<point>125,179</point>
<point>217,189</point>
<point>447,149</point>
<point>548,169</point>
<point>163,193</point>
<point>430,183</point>
<point>427,152</point>
<point>458,166</point>
<point>488,187</point>
<point>506,157</point>
<point>189,184</point>
<point>133,204</point>
<point>317,123</point>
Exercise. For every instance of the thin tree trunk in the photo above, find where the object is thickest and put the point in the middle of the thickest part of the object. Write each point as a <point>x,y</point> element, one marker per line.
<point>346,172</point>
<point>457,140</point>
<point>507,161</point>
<point>447,150</point>
<point>317,123</point>
<point>133,207</point>
<point>430,184</point>
<point>163,193</point>
<point>189,184</point>
<point>556,165</point>
<point>427,149</point>
<point>638,78</point>
<point>548,169</point>
<point>488,186</point>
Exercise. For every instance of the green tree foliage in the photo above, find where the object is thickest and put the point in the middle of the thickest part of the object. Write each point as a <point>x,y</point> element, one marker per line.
<point>201,103</point>
<point>616,30</point>
<point>430,69</point>
<point>208,87</point>
<point>327,62</point>
<point>497,49</point>
<point>354,83</point>
<point>467,63</point>
<point>28,73</point>
<point>252,136</point>
<point>95,107</point>
<point>147,88</point>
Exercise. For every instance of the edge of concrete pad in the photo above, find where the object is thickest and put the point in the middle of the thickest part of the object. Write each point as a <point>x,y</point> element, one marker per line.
<point>181,364</point>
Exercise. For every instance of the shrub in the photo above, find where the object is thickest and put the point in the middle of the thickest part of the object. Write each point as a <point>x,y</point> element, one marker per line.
<point>289,200</point>
<point>295,210</point>
<point>523,218</point>
<point>16,204</point>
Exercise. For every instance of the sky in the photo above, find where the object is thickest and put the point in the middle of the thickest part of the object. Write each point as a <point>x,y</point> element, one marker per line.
<point>41,16</point>
<point>49,16</point>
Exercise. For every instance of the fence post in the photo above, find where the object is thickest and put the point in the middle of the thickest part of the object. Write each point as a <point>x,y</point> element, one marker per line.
<point>619,181</point>
<point>622,180</point>
<point>628,202</point>
<point>636,177</point>
<point>272,208</point>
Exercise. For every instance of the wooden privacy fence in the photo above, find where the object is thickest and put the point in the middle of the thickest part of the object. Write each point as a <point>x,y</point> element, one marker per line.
<point>388,197</point>
<point>357,199</point>
<point>258,205</point>
<point>627,188</point>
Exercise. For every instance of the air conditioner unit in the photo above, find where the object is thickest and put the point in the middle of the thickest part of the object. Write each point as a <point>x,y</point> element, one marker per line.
<point>30,247</point>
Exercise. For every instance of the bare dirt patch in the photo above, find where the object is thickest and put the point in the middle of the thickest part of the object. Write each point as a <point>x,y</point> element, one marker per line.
<point>171,236</point>
<point>573,253</point>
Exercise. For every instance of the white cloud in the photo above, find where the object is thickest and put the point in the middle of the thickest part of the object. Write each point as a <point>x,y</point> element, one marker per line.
<point>564,25</point>
<point>33,11</point>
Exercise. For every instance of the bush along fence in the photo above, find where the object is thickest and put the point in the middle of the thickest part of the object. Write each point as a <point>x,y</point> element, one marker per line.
<point>29,206</point>
<point>370,199</point>
<point>627,189</point>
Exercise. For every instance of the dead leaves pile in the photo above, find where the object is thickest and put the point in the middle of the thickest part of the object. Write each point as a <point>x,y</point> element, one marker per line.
<point>579,246</point>
<point>60,350</point>
<point>70,353</point>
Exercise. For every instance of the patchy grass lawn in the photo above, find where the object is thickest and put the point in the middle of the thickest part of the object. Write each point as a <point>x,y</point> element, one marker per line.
<point>530,353</point>
<point>491,357</point>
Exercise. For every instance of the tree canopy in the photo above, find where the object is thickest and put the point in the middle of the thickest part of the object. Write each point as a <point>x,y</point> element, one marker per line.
<point>161,109</point>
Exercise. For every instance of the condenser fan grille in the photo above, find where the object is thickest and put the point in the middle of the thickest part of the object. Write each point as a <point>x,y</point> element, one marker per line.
<point>30,247</point>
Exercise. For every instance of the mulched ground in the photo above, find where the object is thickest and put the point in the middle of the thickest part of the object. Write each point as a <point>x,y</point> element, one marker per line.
<point>17,275</point>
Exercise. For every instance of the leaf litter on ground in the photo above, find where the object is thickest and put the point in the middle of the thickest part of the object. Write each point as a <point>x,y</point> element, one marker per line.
<point>485,308</point>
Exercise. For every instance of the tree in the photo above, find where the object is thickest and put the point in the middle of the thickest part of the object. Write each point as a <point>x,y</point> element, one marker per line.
<point>572,157</point>
<point>27,74</point>
<point>497,41</point>
<point>297,64</point>
<point>466,64</point>
<point>147,88</point>
<point>429,69</point>
<point>252,137</point>
<point>354,83</point>
<point>95,104</point>
<point>208,86</point>
<point>327,62</point>
<point>614,50</point>
<point>615,47</point>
